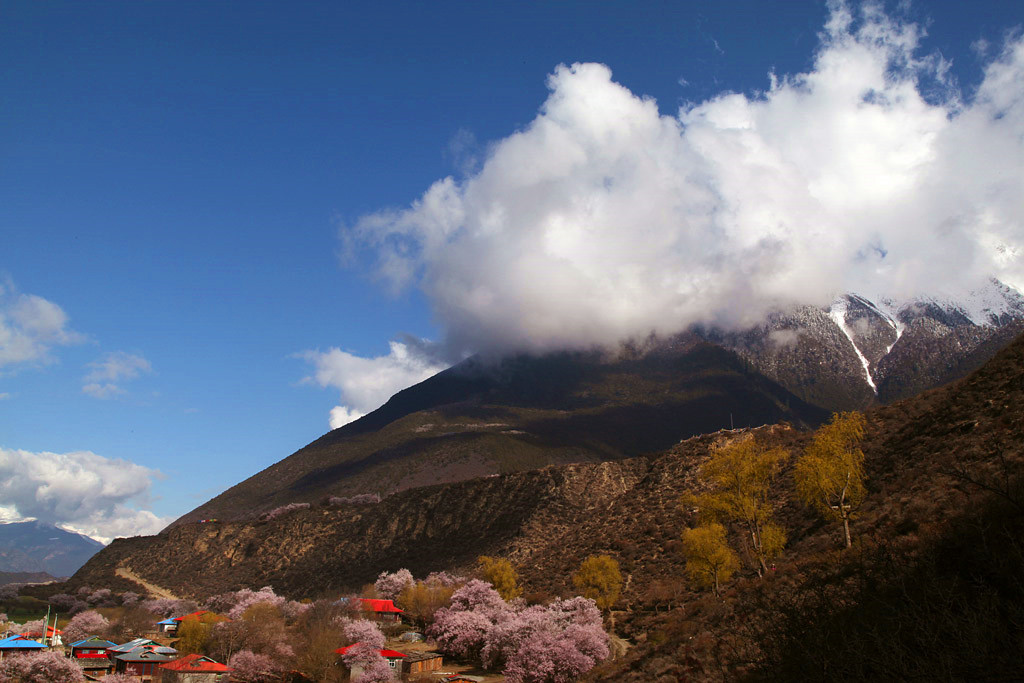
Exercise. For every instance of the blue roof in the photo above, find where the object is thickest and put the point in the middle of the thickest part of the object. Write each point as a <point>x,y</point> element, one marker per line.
<point>168,621</point>
<point>93,641</point>
<point>19,643</point>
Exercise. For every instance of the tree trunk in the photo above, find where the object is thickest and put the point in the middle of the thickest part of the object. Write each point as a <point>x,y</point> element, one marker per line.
<point>846,530</point>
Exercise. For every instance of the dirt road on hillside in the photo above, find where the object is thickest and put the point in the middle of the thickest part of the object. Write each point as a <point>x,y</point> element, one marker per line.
<point>154,590</point>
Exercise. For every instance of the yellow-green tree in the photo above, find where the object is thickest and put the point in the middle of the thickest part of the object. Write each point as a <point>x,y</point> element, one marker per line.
<point>830,475</point>
<point>599,579</point>
<point>499,573</point>
<point>709,559</point>
<point>421,599</point>
<point>742,473</point>
<point>194,632</point>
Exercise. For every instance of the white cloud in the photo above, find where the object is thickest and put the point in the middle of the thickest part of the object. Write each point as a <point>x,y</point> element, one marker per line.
<point>604,220</point>
<point>30,326</point>
<point>367,383</point>
<point>342,415</point>
<point>81,490</point>
<point>106,375</point>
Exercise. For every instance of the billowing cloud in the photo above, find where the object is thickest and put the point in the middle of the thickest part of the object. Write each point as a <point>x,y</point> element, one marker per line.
<point>30,326</point>
<point>604,219</point>
<point>81,490</point>
<point>366,383</point>
<point>107,375</point>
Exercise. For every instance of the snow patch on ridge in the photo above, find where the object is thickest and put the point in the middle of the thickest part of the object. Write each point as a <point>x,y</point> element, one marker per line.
<point>887,310</point>
<point>838,314</point>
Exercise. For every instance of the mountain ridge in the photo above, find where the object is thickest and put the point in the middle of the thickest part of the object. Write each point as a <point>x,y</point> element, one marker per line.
<point>35,546</point>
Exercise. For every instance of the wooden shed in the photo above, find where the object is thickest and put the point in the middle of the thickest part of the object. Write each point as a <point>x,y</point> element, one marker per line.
<point>421,662</point>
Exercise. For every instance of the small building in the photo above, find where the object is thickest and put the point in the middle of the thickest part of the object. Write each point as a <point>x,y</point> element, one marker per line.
<point>130,645</point>
<point>53,636</point>
<point>383,610</point>
<point>422,662</point>
<point>195,669</point>
<point>19,644</point>
<point>141,663</point>
<point>393,658</point>
<point>91,654</point>
<point>168,626</point>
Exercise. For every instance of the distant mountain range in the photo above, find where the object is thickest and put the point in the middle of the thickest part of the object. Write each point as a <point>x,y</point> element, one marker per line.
<point>39,547</point>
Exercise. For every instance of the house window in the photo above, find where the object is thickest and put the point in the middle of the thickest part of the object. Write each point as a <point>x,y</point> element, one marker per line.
<point>391,663</point>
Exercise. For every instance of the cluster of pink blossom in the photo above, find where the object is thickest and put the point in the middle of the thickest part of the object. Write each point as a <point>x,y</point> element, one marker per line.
<point>445,579</point>
<point>364,654</point>
<point>530,644</point>
<point>120,678</point>
<point>253,668</point>
<point>237,602</point>
<point>102,597</point>
<point>129,598</point>
<point>85,624</point>
<point>283,510</point>
<point>68,603</point>
<point>46,667</point>
<point>167,607</point>
<point>358,499</point>
<point>389,585</point>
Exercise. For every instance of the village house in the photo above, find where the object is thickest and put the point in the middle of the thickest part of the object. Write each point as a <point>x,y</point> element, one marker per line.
<point>53,636</point>
<point>383,610</point>
<point>141,663</point>
<point>140,657</point>
<point>18,644</point>
<point>422,662</point>
<point>167,626</point>
<point>195,669</point>
<point>170,626</point>
<point>393,657</point>
<point>91,654</point>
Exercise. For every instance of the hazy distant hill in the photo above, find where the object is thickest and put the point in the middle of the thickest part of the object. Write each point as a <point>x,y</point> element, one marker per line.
<point>24,577</point>
<point>39,547</point>
<point>523,413</point>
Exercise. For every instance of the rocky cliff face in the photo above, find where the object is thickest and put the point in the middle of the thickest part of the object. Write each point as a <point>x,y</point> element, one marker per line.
<point>860,352</point>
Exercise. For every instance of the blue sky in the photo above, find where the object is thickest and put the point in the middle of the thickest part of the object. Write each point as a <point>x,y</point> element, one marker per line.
<point>178,309</point>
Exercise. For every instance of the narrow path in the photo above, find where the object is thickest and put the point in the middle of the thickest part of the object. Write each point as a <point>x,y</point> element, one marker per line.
<point>154,590</point>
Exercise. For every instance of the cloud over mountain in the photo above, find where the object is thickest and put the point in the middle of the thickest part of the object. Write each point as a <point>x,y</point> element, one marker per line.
<point>604,219</point>
<point>81,490</point>
<point>366,383</point>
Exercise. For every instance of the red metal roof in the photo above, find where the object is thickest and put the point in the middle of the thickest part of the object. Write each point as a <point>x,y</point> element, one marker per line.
<point>50,631</point>
<point>194,614</point>
<point>380,605</point>
<point>90,655</point>
<point>383,653</point>
<point>196,663</point>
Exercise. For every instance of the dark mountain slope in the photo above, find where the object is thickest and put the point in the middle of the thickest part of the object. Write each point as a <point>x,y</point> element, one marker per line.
<point>548,520</point>
<point>522,413</point>
<point>929,522</point>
